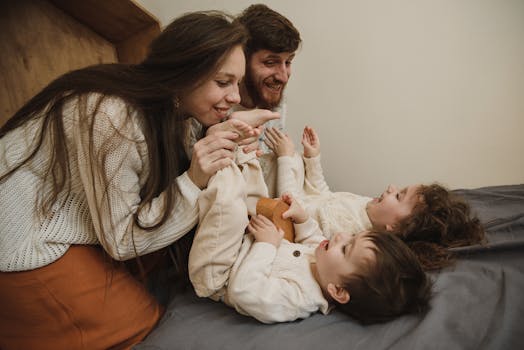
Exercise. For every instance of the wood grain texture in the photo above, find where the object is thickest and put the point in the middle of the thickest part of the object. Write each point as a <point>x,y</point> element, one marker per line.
<point>40,41</point>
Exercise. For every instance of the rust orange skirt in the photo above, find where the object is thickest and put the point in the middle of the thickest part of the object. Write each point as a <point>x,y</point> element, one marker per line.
<point>81,301</point>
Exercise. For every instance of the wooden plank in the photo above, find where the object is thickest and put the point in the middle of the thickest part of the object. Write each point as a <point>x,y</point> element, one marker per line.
<point>39,42</point>
<point>134,49</point>
<point>116,20</point>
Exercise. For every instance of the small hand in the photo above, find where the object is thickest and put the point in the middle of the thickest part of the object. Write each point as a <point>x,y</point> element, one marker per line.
<point>210,154</point>
<point>311,142</point>
<point>264,230</point>
<point>251,143</point>
<point>280,143</point>
<point>295,211</point>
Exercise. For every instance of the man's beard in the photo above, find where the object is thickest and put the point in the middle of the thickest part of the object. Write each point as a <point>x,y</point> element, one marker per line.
<point>258,100</point>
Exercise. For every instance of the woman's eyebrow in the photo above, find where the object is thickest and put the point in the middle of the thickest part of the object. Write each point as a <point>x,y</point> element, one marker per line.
<point>227,74</point>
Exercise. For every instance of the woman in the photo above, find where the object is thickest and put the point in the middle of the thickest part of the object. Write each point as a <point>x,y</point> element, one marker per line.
<point>93,168</point>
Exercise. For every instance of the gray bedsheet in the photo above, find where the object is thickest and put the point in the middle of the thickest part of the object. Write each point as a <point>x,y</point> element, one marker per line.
<point>477,304</point>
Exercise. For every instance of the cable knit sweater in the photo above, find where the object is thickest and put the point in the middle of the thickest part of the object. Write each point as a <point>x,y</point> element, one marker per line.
<point>28,241</point>
<point>334,211</point>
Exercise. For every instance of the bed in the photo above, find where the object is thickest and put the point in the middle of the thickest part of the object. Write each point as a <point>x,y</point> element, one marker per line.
<point>477,304</point>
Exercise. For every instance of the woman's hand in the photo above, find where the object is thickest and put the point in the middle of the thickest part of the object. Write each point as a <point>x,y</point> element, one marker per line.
<point>210,154</point>
<point>264,230</point>
<point>280,143</point>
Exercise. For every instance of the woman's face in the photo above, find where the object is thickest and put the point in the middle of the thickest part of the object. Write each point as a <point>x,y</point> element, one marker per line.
<point>210,102</point>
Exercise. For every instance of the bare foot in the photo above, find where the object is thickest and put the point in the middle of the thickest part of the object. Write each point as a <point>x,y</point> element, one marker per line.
<point>235,125</point>
<point>255,117</point>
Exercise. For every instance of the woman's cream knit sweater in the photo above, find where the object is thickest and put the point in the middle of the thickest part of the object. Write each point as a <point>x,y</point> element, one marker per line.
<point>28,241</point>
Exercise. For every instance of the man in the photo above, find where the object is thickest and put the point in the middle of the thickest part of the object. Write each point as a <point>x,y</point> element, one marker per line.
<point>269,51</point>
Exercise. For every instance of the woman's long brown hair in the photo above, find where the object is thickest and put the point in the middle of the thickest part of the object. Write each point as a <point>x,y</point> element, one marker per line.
<point>184,55</point>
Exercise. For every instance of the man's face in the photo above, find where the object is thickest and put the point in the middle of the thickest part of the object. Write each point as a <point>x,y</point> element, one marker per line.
<point>267,74</point>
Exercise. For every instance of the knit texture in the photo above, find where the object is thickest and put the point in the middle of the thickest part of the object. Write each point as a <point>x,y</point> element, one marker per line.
<point>334,211</point>
<point>28,241</point>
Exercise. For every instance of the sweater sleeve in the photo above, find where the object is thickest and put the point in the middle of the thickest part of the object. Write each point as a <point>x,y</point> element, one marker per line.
<point>254,291</point>
<point>290,175</point>
<point>315,182</point>
<point>308,233</point>
<point>117,156</point>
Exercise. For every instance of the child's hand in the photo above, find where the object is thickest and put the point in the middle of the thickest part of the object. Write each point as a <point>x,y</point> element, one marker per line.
<point>295,211</point>
<point>311,142</point>
<point>264,230</point>
<point>280,143</point>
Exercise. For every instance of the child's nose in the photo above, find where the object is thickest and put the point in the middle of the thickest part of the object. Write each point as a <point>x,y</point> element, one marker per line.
<point>392,188</point>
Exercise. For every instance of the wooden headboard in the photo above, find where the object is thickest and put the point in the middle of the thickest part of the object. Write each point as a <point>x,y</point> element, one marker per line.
<point>40,40</point>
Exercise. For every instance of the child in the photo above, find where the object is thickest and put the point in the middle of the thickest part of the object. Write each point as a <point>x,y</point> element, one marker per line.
<point>428,218</point>
<point>372,277</point>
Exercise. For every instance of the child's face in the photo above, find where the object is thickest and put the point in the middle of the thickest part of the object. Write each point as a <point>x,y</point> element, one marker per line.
<point>342,256</point>
<point>392,206</point>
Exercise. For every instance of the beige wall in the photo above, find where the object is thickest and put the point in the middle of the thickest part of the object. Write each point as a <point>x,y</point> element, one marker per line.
<point>404,91</point>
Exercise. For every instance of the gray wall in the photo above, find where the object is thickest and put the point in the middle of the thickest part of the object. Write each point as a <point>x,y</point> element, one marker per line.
<point>403,91</point>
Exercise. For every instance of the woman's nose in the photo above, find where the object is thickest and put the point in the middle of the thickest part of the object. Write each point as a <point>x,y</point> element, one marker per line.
<point>233,97</point>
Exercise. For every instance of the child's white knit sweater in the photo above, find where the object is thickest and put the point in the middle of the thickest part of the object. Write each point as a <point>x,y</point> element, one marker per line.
<point>334,211</point>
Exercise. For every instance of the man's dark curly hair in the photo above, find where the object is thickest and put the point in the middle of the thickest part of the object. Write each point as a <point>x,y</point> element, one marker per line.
<point>268,30</point>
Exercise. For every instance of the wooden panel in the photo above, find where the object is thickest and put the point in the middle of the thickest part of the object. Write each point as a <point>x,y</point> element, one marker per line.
<point>135,48</point>
<point>123,22</point>
<point>116,20</point>
<point>39,42</point>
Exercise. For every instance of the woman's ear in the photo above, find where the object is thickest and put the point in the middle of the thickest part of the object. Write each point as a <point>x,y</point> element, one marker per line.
<point>339,294</point>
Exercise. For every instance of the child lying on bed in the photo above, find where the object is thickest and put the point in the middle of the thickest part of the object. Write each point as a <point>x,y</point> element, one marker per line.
<point>371,277</point>
<point>429,219</point>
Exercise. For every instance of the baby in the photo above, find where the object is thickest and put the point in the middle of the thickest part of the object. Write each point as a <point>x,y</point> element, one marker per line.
<point>371,277</point>
<point>429,218</point>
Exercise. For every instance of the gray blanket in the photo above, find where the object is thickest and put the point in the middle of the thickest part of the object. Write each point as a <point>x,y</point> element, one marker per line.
<point>477,304</point>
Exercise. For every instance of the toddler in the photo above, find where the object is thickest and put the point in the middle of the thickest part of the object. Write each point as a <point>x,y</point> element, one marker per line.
<point>429,219</point>
<point>372,277</point>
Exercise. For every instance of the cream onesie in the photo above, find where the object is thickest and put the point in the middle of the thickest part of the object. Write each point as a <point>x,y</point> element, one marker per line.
<point>256,278</point>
